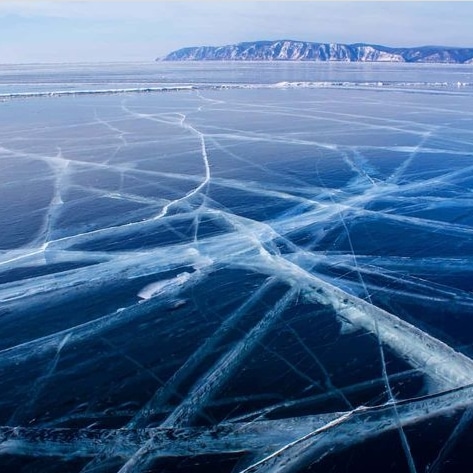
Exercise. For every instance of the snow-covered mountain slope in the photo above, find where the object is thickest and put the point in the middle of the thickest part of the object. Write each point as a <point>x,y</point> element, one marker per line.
<point>289,50</point>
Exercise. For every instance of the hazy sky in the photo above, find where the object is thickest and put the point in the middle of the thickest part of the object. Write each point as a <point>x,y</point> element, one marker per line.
<point>89,30</point>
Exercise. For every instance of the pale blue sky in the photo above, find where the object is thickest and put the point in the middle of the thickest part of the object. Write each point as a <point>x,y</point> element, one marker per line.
<point>89,30</point>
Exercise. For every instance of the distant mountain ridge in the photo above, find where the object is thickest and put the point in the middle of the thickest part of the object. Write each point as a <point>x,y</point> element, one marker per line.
<point>290,50</point>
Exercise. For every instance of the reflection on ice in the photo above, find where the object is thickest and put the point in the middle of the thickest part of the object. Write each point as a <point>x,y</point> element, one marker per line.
<point>237,279</point>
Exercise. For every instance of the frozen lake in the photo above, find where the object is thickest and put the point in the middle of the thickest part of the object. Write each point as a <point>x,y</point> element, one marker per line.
<point>236,268</point>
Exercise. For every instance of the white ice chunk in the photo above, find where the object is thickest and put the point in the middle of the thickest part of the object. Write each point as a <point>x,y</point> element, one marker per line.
<point>160,287</point>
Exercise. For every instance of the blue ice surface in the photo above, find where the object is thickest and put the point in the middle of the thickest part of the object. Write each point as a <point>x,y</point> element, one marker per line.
<point>236,268</point>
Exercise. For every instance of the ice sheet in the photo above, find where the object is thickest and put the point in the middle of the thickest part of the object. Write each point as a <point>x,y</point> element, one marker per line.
<point>238,277</point>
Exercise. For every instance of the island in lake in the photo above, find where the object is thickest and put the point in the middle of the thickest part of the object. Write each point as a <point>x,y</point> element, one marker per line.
<point>290,50</point>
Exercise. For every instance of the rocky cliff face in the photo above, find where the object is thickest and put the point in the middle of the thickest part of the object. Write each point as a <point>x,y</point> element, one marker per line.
<point>288,50</point>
